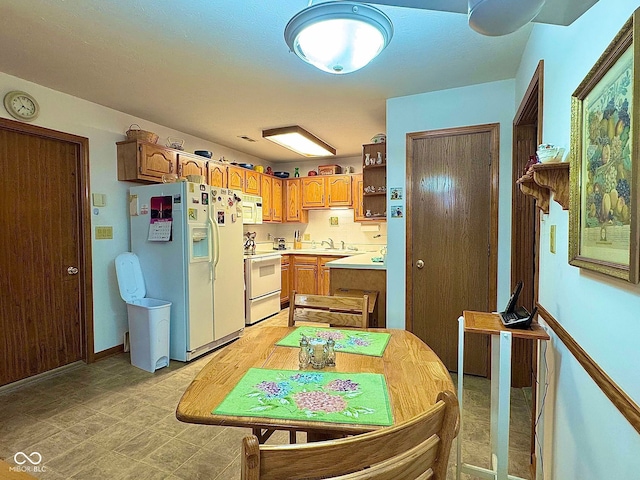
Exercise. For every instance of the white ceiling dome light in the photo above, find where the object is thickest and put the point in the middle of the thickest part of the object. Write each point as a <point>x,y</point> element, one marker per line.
<point>338,37</point>
<point>501,17</point>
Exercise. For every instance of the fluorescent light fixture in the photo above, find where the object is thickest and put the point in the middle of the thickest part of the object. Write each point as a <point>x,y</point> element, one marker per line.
<point>300,141</point>
<point>501,17</point>
<point>338,37</point>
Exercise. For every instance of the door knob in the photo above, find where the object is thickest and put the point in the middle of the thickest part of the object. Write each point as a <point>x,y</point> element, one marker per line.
<point>419,264</point>
<point>72,270</point>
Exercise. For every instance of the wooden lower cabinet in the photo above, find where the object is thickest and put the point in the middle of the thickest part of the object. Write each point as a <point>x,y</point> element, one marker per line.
<point>285,282</point>
<point>310,274</point>
<point>324,280</point>
<point>305,274</point>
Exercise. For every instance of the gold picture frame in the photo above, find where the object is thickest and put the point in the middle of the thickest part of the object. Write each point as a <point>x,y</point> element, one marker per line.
<point>604,195</point>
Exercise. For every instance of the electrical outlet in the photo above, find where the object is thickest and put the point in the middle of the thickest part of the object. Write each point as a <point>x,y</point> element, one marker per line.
<point>307,237</point>
<point>552,239</point>
<point>104,233</point>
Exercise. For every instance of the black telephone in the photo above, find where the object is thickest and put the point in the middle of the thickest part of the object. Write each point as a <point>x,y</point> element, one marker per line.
<point>516,318</point>
<point>520,322</point>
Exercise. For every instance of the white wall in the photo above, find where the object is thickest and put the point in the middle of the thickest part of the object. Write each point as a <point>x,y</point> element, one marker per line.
<point>475,105</point>
<point>104,127</point>
<point>585,435</point>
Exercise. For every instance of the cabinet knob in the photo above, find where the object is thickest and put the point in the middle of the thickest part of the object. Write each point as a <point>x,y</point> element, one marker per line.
<point>72,270</point>
<point>420,264</point>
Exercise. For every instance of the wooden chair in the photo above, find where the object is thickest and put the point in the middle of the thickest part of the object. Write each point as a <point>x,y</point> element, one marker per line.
<point>417,449</point>
<point>334,310</point>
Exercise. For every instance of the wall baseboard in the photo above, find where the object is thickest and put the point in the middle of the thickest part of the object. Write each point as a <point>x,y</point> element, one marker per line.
<point>627,407</point>
<point>109,352</point>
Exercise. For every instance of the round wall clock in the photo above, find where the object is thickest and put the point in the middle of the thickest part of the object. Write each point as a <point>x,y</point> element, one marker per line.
<point>21,105</point>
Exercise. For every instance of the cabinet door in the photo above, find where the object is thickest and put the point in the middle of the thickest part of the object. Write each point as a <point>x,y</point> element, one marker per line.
<point>267,201</point>
<point>339,191</point>
<point>358,190</point>
<point>155,161</point>
<point>276,200</point>
<point>324,280</point>
<point>313,192</point>
<point>305,274</point>
<point>293,203</point>
<point>285,282</point>
<point>252,182</point>
<point>217,174</point>
<point>236,178</point>
<point>191,166</point>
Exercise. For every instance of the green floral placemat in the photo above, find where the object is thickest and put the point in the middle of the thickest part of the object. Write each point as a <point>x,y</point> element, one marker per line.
<point>360,398</point>
<point>348,341</point>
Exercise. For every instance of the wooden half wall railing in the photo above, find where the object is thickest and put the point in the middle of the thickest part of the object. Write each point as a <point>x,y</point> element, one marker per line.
<point>627,407</point>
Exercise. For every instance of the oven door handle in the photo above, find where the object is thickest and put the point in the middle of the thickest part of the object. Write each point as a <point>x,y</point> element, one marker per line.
<point>272,259</point>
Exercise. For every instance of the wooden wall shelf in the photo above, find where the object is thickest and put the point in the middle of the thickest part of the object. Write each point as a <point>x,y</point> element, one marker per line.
<point>542,179</point>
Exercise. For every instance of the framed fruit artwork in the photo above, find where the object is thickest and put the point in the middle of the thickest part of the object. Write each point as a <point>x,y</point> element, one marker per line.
<point>603,213</point>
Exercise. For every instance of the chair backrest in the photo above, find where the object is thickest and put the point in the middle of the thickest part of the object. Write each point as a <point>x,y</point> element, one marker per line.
<point>334,310</point>
<point>416,449</point>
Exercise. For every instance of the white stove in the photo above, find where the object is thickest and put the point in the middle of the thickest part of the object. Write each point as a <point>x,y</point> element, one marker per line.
<point>262,276</point>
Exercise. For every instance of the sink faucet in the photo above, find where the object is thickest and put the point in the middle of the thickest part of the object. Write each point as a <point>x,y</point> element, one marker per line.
<point>341,244</point>
<point>329,243</point>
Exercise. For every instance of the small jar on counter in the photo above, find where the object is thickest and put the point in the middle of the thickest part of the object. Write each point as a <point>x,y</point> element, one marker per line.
<point>330,356</point>
<point>303,355</point>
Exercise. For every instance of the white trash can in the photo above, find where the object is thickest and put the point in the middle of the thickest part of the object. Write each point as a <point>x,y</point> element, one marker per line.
<point>148,317</point>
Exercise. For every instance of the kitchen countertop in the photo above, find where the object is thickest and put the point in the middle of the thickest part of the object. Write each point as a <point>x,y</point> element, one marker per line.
<point>359,262</point>
<point>306,251</point>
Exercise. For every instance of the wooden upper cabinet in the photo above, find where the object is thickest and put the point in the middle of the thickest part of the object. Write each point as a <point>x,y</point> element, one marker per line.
<point>217,174</point>
<point>251,182</point>
<point>339,191</point>
<point>293,211</point>
<point>324,191</point>
<point>276,199</point>
<point>267,207</point>
<point>142,161</point>
<point>236,178</point>
<point>191,166</point>
<point>313,194</point>
<point>357,191</point>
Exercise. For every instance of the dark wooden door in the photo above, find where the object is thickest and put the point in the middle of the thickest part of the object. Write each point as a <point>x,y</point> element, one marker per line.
<point>451,234</point>
<point>42,304</point>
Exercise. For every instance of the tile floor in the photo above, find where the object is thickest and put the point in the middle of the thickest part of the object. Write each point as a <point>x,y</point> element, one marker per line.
<point>110,420</point>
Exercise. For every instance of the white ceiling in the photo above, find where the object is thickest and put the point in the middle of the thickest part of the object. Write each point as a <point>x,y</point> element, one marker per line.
<point>219,69</point>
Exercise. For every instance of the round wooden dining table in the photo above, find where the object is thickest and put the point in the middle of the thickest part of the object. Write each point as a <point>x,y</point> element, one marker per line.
<point>413,373</point>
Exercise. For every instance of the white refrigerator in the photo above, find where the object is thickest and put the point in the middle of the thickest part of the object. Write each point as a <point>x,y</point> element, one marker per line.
<point>188,237</point>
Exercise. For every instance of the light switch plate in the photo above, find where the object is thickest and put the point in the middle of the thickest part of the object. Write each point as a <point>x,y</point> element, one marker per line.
<point>104,233</point>
<point>552,239</point>
<point>99,199</point>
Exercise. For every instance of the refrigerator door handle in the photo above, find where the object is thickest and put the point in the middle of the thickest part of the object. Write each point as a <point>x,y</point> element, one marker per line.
<point>216,246</point>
